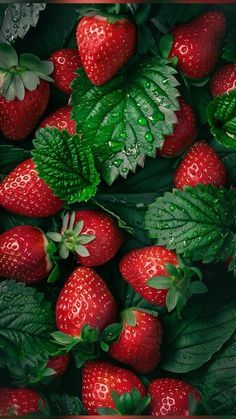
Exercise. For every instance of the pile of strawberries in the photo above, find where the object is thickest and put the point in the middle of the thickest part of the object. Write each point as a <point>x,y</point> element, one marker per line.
<point>86,309</point>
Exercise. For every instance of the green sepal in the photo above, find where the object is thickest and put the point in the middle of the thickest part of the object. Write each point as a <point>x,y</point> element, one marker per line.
<point>130,403</point>
<point>54,274</point>
<point>165,45</point>
<point>18,74</point>
<point>129,316</point>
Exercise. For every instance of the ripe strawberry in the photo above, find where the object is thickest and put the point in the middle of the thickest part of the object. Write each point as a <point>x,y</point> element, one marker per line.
<point>104,47</point>
<point>60,119</point>
<point>84,299</point>
<point>100,378</point>
<point>200,165</point>
<point>23,192</point>
<point>66,61</point>
<point>23,254</point>
<point>197,44</point>
<point>223,80</point>
<point>184,132</point>
<point>93,235</point>
<point>139,345</point>
<point>24,92</point>
<point>170,397</point>
<point>18,401</point>
<point>139,265</point>
<point>59,364</point>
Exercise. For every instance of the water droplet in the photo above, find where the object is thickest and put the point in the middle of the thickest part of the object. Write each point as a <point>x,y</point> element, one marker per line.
<point>123,135</point>
<point>124,170</point>
<point>147,84</point>
<point>116,114</point>
<point>116,145</point>
<point>149,137</point>
<point>142,122</point>
<point>117,162</point>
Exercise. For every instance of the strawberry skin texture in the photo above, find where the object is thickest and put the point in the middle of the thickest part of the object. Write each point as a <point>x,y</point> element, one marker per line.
<point>59,364</point>
<point>139,346</point>
<point>24,193</point>
<point>18,118</point>
<point>66,61</point>
<point>100,378</point>
<point>109,237</point>
<point>197,44</point>
<point>23,254</point>
<point>104,47</point>
<point>200,165</point>
<point>140,265</point>
<point>170,397</point>
<point>18,401</point>
<point>60,119</point>
<point>223,80</point>
<point>184,132</point>
<point>84,299</point>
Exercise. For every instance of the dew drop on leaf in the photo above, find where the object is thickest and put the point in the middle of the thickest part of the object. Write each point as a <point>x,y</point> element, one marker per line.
<point>117,162</point>
<point>142,122</point>
<point>149,137</point>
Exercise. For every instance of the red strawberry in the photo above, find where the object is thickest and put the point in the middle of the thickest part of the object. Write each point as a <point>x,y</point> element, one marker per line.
<point>170,397</point>
<point>104,47</point>
<point>139,345</point>
<point>197,44</point>
<point>184,132</point>
<point>140,265</point>
<point>23,254</point>
<point>84,299</point>
<point>200,165</point>
<point>100,378</point>
<point>59,364</point>
<point>93,235</point>
<point>223,80</point>
<point>60,119</point>
<point>19,117</point>
<point>24,193</point>
<point>18,401</point>
<point>24,95</point>
<point>66,61</point>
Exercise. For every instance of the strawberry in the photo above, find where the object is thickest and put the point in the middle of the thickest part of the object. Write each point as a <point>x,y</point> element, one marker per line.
<point>23,192</point>
<point>99,379</point>
<point>184,132</point>
<point>197,44</point>
<point>18,401</point>
<point>104,47</point>
<point>139,265</point>
<point>223,80</point>
<point>66,61</point>
<point>93,235</point>
<point>24,92</point>
<point>171,397</point>
<point>139,343</point>
<point>23,254</point>
<point>202,165</point>
<point>84,299</point>
<point>60,119</point>
<point>59,364</point>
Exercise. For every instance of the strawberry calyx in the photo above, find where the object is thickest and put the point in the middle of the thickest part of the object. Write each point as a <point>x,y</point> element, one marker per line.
<point>51,250</point>
<point>20,73</point>
<point>70,239</point>
<point>131,403</point>
<point>182,282</point>
<point>84,347</point>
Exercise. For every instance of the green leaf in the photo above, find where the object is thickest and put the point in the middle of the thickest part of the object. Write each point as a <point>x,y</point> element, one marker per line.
<point>130,403</point>
<point>228,157</point>
<point>220,398</point>
<point>127,118</point>
<point>64,404</point>
<point>206,325</point>
<point>198,222</point>
<point>170,15</point>
<point>165,45</point>
<point>26,323</point>
<point>221,115</point>
<point>129,316</point>
<point>229,49</point>
<point>106,411</point>
<point>18,19</point>
<point>66,164</point>
<point>198,287</point>
<point>199,100</point>
<point>112,332</point>
<point>160,282</point>
<point>172,298</point>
